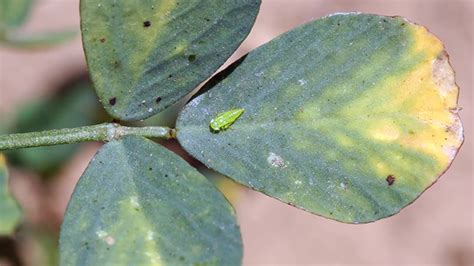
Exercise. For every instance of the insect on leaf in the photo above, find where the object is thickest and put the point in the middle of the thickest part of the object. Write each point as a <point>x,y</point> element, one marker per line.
<point>351,117</point>
<point>224,120</point>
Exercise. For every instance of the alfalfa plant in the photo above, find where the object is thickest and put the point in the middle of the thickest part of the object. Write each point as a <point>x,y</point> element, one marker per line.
<point>350,117</point>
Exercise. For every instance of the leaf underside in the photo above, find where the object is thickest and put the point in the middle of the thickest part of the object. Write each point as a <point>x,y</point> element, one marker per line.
<point>140,204</point>
<point>145,55</point>
<point>351,117</point>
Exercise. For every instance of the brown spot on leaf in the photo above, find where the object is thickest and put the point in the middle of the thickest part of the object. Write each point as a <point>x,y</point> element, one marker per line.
<point>192,58</point>
<point>113,101</point>
<point>146,24</point>
<point>158,99</point>
<point>390,179</point>
<point>102,40</point>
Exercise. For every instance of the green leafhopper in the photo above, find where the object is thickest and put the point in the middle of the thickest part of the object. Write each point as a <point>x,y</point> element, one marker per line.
<point>224,120</point>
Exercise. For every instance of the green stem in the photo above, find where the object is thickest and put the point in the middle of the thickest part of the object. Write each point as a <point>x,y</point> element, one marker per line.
<point>101,132</point>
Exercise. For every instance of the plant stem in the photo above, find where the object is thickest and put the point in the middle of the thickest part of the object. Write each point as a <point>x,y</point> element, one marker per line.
<point>101,132</point>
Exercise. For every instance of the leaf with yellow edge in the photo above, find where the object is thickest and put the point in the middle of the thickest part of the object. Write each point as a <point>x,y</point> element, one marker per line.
<point>351,117</point>
<point>10,213</point>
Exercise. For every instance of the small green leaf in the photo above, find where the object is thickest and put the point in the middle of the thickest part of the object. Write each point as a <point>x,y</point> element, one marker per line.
<point>13,13</point>
<point>75,106</point>
<point>145,55</point>
<point>10,213</point>
<point>351,117</point>
<point>140,204</point>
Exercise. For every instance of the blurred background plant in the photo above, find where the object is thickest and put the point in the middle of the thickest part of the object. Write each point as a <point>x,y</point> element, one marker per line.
<point>39,77</point>
<point>13,14</point>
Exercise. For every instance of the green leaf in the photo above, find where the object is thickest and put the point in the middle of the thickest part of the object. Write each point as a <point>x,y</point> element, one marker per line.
<point>75,106</point>
<point>145,55</point>
<point>39,40</point>
<point>9,210</point>
<point>140,204</point>
<point>351,117</point>
<point>13,13</point>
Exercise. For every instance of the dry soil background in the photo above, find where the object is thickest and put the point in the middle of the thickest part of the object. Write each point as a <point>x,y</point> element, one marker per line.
<point>436,229</point>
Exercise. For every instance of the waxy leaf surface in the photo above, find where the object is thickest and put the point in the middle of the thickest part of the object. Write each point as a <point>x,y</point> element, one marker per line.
<point>351,117</point>
<point>139,204</point>
<point>144,55</point>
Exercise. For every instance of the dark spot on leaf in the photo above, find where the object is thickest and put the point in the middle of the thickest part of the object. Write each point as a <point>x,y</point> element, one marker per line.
<point>207,19</point>
<point>150,169</point>
<point>146,24</point>
<point>158,99</point>
<point>102,40</point>
<point>113,101</point>
<point>390,179</point>
<point>291,204</point>
<point>192,58</point>
<point>411,132</point>
<point>403,24</point>
<point>170,76</point>
<point>330,213</point>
